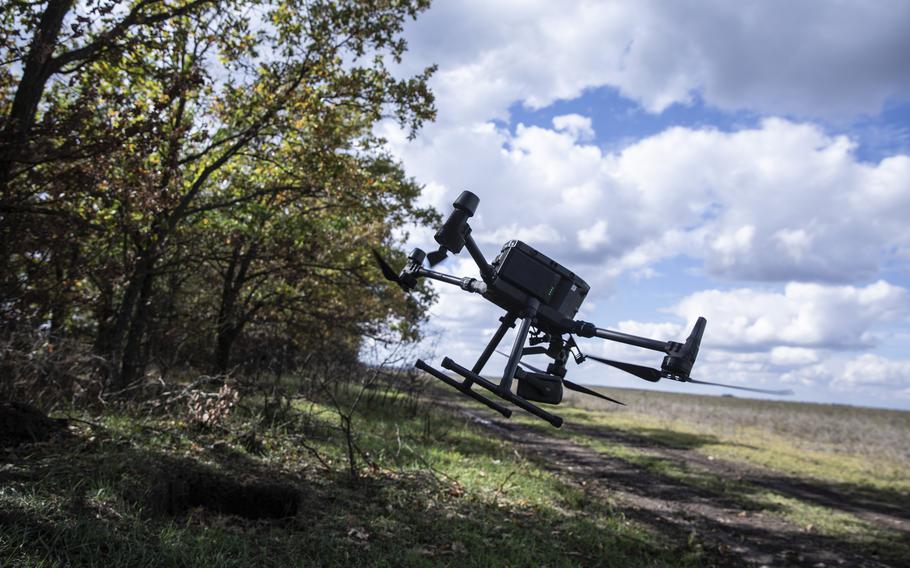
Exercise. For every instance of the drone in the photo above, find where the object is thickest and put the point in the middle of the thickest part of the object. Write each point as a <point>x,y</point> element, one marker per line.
<point>543,297</point>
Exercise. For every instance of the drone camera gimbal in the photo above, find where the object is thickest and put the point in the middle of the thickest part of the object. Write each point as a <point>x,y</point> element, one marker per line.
<point>543,297</point>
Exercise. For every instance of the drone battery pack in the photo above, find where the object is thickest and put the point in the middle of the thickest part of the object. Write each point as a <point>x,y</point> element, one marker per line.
<point>546,280</point>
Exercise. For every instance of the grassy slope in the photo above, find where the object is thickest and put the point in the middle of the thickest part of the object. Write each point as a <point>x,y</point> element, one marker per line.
<point>439,491</point>
<point>815,443</point>
<point>847,445</point>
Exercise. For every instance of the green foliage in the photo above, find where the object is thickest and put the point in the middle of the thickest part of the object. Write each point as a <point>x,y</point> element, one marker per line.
<point>196,173</point>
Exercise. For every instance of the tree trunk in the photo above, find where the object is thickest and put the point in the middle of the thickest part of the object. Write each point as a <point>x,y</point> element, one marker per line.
<point>228,324</point>
<point>132,365</point>
<point>18,123</point>
<point>65,272</point>
<point>37,70</point>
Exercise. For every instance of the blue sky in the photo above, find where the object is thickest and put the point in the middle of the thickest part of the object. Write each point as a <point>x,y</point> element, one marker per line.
<point>749,162</point>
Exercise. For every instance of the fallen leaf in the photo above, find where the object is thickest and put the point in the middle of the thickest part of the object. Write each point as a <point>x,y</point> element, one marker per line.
<point>359,533</point>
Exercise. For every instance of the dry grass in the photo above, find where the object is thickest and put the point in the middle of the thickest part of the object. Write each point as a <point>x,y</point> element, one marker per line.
<point>863,432</point>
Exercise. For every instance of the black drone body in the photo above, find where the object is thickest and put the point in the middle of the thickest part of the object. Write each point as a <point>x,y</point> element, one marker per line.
<point>543,296</point>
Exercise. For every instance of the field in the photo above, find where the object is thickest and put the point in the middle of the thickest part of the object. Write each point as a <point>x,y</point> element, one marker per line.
<point>669,480</point>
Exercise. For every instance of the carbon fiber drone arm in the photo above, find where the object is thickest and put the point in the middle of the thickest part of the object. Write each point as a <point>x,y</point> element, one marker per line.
<point>465,283</point>
<point>585,329</point>
<point>680,357</point>
<point>414,270</point>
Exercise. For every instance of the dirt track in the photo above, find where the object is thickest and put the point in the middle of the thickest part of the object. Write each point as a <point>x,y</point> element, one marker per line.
<point>730,534</point>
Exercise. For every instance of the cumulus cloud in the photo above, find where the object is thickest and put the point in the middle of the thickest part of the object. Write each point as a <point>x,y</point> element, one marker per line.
<point>540,233</point>
<point>783,204</point>
<point>793,356</point>
<point>814,58</point>
<point>855,373</point>
<point>802,335</point>
<point>779,202</point>
<point>873,370</point>
<point>577,126</point>
<point>803,315</point>
<point>593,237</point>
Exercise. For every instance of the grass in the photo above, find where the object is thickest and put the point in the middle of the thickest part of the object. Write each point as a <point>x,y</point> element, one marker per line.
<point>432,489</point>
<point>721,428</point>
<point>878,434</point>
<point>805,440</point>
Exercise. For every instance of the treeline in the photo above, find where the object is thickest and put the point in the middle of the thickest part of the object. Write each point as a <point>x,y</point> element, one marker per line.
<point>196,183</point>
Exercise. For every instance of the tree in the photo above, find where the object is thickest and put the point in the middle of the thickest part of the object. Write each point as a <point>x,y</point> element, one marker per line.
<point>246,119</point>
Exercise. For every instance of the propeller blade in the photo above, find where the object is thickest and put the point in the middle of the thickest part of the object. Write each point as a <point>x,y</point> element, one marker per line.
<point>527,366</point>
<point>640,371</point>
<point>387,271</point>
<point>585,390</point>
<point>436,256</point>
<point>765,391</point>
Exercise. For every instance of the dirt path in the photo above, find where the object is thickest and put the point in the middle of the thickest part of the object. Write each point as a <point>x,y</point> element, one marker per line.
<point>730,534</point>
<point>885,509</point>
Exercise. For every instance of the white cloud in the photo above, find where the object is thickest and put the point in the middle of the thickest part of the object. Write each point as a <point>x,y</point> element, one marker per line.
<point>540,233</point>
<point>579,127</point>
<point>791,356</point>
<point>803,315</point>
<point>855,374</point>
<point>814,58</point>
<point>780,202</point>
<point>593,237</point>
<point>873,370</point>
<point>661,331</point>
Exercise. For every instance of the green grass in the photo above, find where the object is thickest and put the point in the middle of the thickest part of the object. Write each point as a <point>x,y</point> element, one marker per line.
<point>431,489</point>
<point>883,480</point>
<point>797,452</point>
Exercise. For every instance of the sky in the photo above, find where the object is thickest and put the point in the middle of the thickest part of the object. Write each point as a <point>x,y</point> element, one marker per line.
<point>745,161</point>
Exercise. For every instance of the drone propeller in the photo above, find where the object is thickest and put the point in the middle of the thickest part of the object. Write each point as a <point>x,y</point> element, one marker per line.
<point>782,392</point>
<point>527,366</point>
<point>567,383</point>
<point>653,375</point>
<point>640,371</point>
<point>387,271</point>
<point>585,390</point>
<point>437,256</point>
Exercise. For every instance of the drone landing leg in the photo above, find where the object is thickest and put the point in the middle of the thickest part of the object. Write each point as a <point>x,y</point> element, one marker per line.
<point>464,387</point>
<point>505,395</point>
<point>508,321</point>
<point>505,385</point>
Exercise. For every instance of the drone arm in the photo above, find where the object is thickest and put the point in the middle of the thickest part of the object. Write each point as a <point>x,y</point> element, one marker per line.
<point>486,271</point>
<point>629,339</point>
<point>468,284</point>
<point>680,357</point>
<point>585,329</point>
